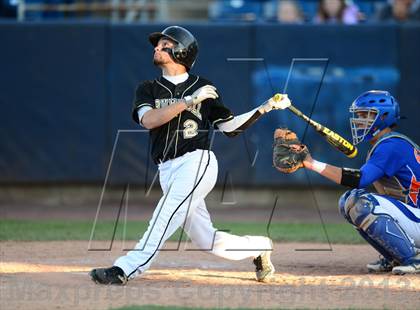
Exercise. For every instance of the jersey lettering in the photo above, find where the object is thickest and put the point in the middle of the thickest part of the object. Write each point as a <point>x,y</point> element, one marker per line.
<point>161,103</point>
<point>414,190</point>
<point>195,109</point>
<point>417,155</point>
<point>190,129</point>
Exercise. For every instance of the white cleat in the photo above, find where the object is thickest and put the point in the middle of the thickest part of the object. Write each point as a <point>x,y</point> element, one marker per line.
<point>407,269</point>
<point>264,268</point>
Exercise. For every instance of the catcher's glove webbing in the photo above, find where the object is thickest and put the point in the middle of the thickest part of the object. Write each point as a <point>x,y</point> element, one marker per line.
<point>288,152</point>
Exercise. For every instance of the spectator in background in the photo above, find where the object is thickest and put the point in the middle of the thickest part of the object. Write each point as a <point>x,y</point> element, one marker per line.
<point>289,12</point>
<point>400,11</point>
<point>337,12</point>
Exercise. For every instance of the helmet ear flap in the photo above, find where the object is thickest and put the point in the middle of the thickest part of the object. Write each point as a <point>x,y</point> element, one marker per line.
<point>182,53</point>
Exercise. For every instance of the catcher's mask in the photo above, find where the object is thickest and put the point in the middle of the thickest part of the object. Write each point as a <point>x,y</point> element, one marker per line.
<point>372,112</point>
<point>186,47</point>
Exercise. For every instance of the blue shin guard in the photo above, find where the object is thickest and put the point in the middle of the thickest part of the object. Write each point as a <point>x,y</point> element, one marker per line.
<point>375,245</point>
<point>390,236</point>
<point>381,230</point>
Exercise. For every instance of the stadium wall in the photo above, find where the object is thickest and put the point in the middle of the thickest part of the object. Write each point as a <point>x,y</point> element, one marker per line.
<point>67,89</point>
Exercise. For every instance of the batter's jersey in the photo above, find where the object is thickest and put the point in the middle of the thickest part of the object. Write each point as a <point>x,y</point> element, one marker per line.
<point>186,132</point>
<point>398,158</point>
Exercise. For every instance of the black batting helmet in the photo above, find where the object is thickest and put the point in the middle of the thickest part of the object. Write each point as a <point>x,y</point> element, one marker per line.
<point>185,51</point>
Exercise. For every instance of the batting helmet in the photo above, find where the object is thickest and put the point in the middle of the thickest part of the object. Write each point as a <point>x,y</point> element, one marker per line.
<point>381,111</point>
<point>186,49</point>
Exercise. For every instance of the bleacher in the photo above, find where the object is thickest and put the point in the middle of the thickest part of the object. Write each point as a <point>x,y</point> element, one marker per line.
<point>265,10</point>
<point>162,10</point>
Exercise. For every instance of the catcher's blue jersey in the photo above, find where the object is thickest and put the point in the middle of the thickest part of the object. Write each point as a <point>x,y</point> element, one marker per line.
<point>393,166</point>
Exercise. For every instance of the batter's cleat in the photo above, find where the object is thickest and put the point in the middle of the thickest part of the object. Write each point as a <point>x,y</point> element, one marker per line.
<point>381,265</point>
<point>264,269</point>
<point>112,275</point>
<point>412,268</point>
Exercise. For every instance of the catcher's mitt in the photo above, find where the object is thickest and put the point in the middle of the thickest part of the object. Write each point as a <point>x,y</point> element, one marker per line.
<point>288,152</point>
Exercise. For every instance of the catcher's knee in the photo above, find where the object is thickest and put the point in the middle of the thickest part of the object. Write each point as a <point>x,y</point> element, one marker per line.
<point>356,206</point>
<point>342,203</point>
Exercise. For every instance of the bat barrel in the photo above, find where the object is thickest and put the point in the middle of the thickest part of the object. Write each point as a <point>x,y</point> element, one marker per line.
<point>332,138</point>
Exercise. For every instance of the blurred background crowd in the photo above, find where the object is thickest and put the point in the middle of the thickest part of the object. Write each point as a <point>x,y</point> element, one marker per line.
<point>269,11</point>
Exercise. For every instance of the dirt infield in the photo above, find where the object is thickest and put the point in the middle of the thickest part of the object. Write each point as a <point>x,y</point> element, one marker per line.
<point>53,275</point>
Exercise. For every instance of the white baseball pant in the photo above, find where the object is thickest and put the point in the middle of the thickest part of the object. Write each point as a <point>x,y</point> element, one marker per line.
<point>407,217</point>
<point>185,182</point>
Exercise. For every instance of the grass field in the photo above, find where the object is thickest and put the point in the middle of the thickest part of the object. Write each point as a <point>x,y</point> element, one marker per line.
<point>41,230</point>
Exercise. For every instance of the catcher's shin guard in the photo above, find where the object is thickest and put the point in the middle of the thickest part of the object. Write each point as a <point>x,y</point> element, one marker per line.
<point>388,259</point>
<point>390,236</point>
<point>380,230</point>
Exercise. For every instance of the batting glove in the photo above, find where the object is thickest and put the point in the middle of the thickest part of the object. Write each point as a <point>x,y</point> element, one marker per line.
<point>201,94</point>
<point>277,102</point>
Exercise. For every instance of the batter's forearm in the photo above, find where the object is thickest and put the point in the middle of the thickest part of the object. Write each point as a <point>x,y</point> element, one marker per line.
<point>240,123</point>
<point>157,117</point>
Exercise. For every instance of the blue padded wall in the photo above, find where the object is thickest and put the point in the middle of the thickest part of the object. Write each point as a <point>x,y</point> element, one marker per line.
<point>53,102</point>
<point>66,89</point>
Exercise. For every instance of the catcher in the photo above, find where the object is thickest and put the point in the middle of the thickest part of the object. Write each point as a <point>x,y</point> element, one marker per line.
<point>390,219</point>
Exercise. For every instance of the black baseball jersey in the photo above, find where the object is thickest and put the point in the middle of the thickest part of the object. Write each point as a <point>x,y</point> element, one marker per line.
<point>186,132</point>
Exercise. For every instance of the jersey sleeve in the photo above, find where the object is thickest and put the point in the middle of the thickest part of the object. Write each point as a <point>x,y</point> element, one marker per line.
<point>370,173</point>
<point>218,112</point>
<point>143,98</point>
<point>388,157</point>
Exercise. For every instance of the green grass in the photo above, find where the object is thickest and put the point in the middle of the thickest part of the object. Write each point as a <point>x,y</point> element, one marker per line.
<point>38,230</point>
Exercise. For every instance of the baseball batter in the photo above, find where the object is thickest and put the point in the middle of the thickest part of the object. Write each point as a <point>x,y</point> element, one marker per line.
<point>178,108</point>
<point>390,219</point>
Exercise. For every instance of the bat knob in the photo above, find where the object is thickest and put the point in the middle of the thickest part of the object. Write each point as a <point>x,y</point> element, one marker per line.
<point>277,97</point>
<point>353,154</point>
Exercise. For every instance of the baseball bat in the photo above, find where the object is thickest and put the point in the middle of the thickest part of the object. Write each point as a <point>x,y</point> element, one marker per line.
<point>332,137</point>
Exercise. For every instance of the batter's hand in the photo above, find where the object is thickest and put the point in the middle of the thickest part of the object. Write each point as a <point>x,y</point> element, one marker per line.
<point>277,102</point>
<point>201,94</point>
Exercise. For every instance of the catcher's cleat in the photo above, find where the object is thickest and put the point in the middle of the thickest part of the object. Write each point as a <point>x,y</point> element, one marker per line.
<point>112,275</point>
<point>412,268</point>
<point>264,269</point>
<point>381,265</point>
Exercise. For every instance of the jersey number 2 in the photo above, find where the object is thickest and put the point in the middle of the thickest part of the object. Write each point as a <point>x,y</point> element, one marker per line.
<point>190,129</point>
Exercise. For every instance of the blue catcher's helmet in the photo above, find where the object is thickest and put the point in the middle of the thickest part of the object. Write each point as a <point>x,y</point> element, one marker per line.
<point>372,112</point>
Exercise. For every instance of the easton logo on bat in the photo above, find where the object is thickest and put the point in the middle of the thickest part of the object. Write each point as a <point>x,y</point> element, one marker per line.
<point>337,138</point>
